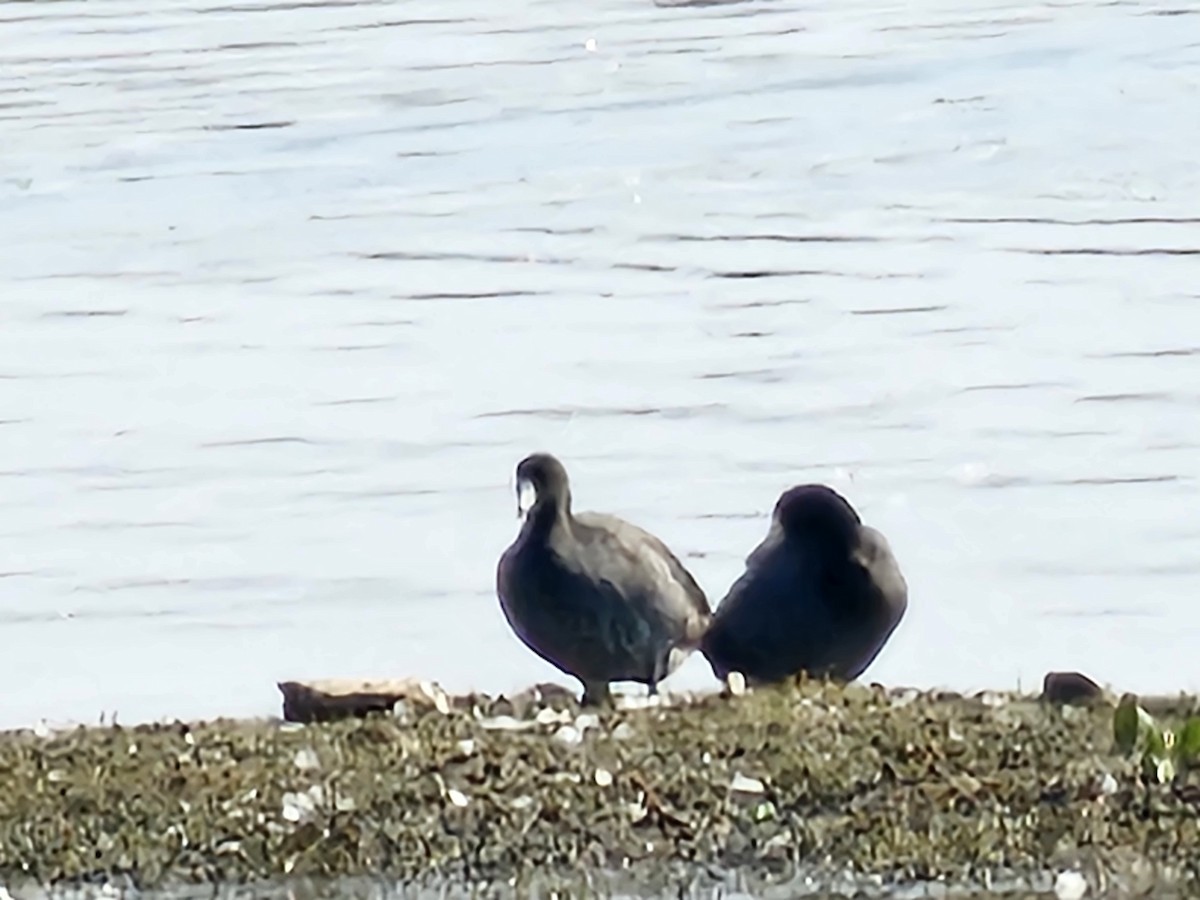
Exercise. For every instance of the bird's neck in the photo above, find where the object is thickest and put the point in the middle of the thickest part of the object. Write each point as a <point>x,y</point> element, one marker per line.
<point>546,515</point>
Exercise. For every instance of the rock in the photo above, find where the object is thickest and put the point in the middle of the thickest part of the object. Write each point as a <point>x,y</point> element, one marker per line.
<point>339,698</point>
<point>1073,688</point>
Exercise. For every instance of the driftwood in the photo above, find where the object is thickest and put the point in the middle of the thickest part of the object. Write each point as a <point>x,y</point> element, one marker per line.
<point>340,698</point>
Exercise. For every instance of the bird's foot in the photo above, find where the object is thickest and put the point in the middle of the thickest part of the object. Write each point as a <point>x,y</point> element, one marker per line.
<point>596,694</point>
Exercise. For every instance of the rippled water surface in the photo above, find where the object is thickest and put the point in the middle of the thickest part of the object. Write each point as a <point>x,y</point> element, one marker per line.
<point>288,288</point>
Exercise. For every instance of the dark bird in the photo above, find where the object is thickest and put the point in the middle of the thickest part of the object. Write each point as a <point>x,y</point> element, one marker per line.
<point>821,594</point>
<point>598,598</point>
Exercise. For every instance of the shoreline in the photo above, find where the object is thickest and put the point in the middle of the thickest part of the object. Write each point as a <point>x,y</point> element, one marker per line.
<point>810,779</point>
<point>317,700</point>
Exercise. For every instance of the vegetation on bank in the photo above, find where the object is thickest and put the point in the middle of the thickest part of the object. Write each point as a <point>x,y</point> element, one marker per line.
<point>809,777</point>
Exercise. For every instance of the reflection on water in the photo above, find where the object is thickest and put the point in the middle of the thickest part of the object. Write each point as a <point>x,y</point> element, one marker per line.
<point>290,287</point>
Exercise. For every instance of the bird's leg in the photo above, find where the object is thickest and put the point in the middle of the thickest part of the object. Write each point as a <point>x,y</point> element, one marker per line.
<point>662,666</point>
<point>596,693</point>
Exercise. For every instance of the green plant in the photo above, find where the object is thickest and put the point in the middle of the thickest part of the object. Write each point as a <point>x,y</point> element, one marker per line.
<point>1165,753</point>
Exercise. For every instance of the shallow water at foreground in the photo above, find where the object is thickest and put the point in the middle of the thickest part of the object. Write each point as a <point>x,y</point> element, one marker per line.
<point>289,288</point>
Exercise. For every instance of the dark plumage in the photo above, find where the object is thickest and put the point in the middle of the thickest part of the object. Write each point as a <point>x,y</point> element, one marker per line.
<point>597,597</point>
<point>822,594</point>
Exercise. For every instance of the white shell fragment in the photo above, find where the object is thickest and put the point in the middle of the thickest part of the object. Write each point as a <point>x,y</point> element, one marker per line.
<point>1108,785</point>
<point>569,735</point>
<point>300,806</point>
<point>604,778</point>
<point>743,784</point>
<point>1070,885</point>
<point>435,692</point>
<point>641,701</point>
<point>735,684</point>
<point>306,759</point>
<point>548,716</point>
<point>623,732</point>
<point>505,723</point>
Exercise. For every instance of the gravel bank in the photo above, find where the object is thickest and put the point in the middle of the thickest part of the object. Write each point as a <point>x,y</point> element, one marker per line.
<point>813,778</point>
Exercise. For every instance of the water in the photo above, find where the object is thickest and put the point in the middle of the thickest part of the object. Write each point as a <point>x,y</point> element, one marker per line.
<point>290,287</point>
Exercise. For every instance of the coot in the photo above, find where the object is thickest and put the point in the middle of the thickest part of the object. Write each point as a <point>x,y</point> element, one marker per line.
<point>822,594</point>
<point>593,595</point>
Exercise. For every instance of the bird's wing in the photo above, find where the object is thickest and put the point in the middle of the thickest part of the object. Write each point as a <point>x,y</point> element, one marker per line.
<point>644,571</point>
<point>874,555</point>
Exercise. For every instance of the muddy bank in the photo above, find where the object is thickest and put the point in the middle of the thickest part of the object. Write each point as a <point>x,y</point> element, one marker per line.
<point>813,778</point>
